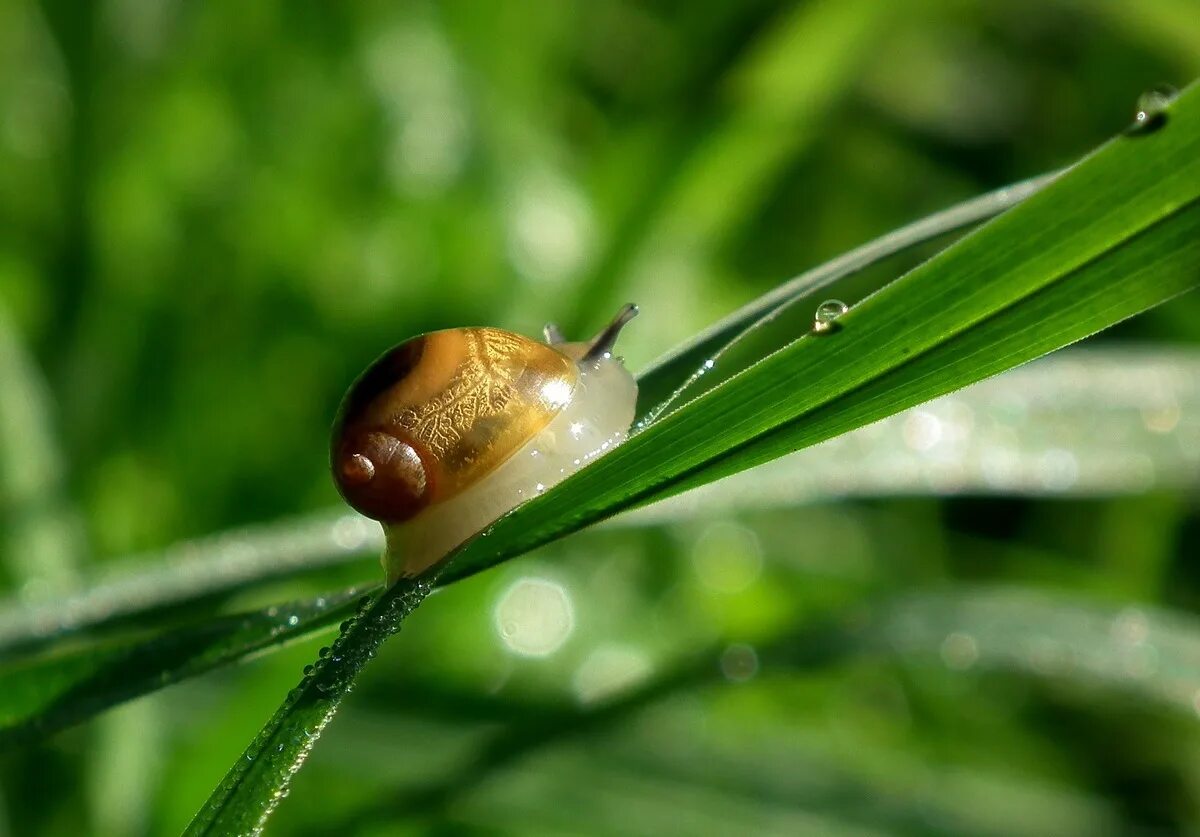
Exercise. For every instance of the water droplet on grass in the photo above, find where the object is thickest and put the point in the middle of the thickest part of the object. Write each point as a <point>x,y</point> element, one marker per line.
<point>824,320</point>
<point>1151,112</point>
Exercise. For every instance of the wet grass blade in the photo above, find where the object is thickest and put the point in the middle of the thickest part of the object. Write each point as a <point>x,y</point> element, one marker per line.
<point>44,695</point>
<point>1087,422</point>
<point>1103,650</point>
<point>758,326</point>
<point>255,785</point>
<point>1151,653</point>
<point>190,572</point>
<point>1116,234</point>
<point>1146,271</point>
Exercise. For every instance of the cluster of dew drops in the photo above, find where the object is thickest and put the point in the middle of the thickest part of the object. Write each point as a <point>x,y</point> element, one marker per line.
<point>359,639</point>
<point>331,677</point>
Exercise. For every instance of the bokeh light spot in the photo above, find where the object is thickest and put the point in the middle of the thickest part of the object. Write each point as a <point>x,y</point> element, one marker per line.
<point>534,617</point>
<point>608,671</point>
<point>739,663</point>
<point>727,557</point>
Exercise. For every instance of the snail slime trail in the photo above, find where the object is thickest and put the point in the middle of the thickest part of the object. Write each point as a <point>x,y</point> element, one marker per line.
<point>449,430</point>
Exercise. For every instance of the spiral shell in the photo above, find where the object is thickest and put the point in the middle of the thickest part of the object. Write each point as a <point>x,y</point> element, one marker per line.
<point>436,413</point>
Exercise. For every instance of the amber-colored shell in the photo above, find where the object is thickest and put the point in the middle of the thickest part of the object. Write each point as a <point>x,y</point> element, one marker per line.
<point>437,413</point>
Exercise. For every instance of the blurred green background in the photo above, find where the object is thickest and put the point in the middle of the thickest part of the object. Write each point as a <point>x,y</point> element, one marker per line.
<point>213,216</point>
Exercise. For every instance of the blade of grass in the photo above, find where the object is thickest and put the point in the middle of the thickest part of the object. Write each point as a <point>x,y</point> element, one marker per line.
<point>1089,644</point>
<point>1143,651</point>
<point>189,572</point>
<point>1098,246</point>
<point>799,789</point>
<point>255,785</point>
<point>1152,268</point>
<point>45,695</point>
<point>1079,423</point>
<point>1087,243</point>
<point>1009,431</point>
<point>667,375</point>
<point>1133,451</point>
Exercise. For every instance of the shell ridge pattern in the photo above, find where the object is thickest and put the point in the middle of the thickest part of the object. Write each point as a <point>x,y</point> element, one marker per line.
<point>482,387</point>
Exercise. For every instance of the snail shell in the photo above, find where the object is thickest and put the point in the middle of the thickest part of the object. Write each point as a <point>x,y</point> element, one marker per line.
<point>449,430</point>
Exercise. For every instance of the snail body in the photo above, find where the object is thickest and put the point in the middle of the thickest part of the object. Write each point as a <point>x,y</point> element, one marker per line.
<point>449,430</point>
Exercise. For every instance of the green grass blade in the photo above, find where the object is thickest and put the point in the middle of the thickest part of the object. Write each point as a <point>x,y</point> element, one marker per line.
<point>1148,652</point>
<point>1091,422</point>
<point>259,780</point>
<point>191,571</point>
<point>1116,234</point>
<point>685,365</point>
<point>45,695</point>
<point>1160,266</point>
<point>1148,270</point>
<point>1140,412</point>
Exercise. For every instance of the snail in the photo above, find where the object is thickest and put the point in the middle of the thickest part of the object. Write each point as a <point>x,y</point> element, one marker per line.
<point>449,430</point>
